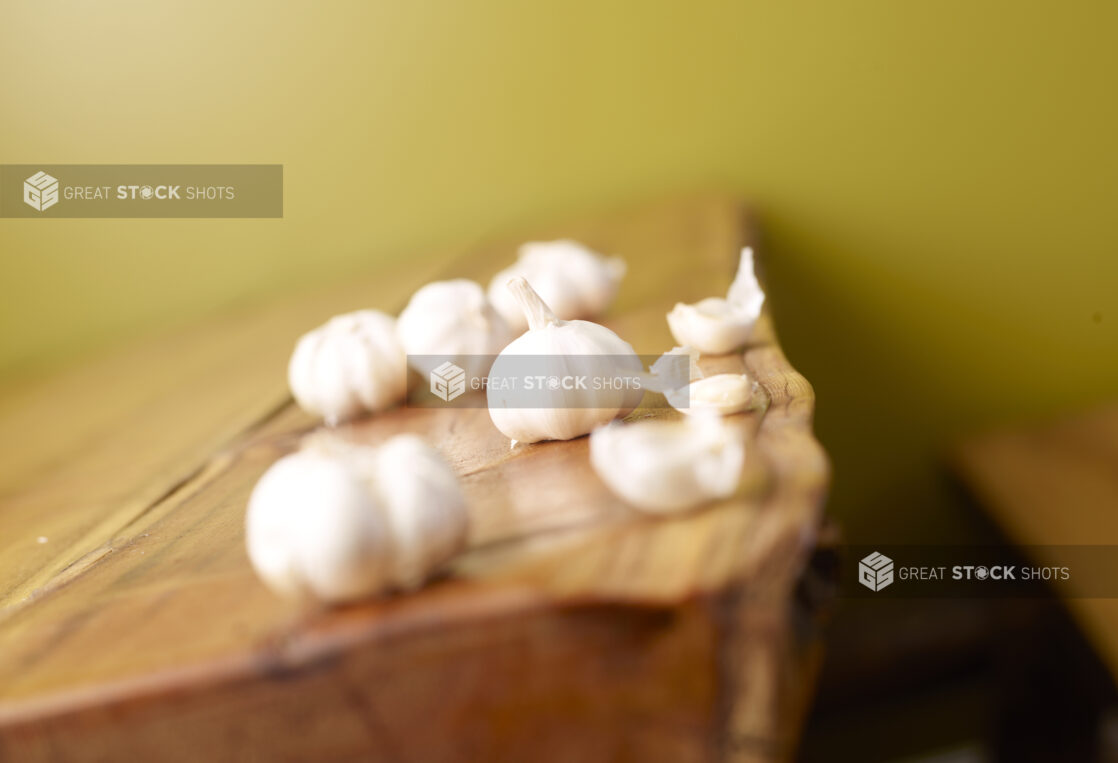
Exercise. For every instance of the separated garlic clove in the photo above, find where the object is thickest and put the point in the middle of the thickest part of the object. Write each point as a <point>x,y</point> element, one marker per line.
<point>669,466</point>
<point>451,320</point>
<point>724,394</point>
<point>573,280</point>
<point>351,364</point>
<point>339,521</point>
<point>716,326</point>
<point>562,350</point>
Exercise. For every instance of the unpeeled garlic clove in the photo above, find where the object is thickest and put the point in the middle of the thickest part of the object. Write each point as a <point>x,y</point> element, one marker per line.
<point>574,281</point>
<point>553,348</point>
<point>716,326</point>
<point>669,466</point>
<point>724,394</point>
<point>351,364</point>
<point>451,320</point>
<point>339,521</point>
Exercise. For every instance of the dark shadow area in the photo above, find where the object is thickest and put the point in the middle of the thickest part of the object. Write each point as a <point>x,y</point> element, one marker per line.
<point>960,679</point>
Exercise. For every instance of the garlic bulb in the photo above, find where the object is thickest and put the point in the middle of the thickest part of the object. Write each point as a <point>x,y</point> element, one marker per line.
<point>714,325</point>
<point>722,393</point>
<point>451,320</point>
<point>339,521</point>
<point>353,363</point>
<point>573,280</point>
<point>562,351</point>
<point>669,466</point>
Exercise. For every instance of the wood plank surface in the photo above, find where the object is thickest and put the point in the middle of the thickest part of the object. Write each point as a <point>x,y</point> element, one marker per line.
<point>140,615</point>
<point>1055,484</point>
<point>86,452</point>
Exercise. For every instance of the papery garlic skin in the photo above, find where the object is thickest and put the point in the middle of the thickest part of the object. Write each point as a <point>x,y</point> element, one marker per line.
<point>715,326</point>
<point>725,394</point>
<point>574,281</point>
<point>455,321</point>
<point>669,466</point>
<point>350,365</point>
<point>563,345</point>
<point>664,374</point>
<point>337,521</point>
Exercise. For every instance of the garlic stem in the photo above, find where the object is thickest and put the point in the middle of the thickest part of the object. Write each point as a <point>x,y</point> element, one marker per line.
<point>537,312</point>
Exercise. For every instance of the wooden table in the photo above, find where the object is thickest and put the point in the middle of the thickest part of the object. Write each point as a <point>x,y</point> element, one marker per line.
<point>132,627</point>
<point>1051,485</point>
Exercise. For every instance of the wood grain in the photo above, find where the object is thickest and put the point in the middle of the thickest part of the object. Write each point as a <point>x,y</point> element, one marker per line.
<point>85,453</point>
<point>139,623</point>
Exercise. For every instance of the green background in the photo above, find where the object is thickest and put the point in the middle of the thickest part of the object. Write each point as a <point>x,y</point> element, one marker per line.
<point>937,181</point>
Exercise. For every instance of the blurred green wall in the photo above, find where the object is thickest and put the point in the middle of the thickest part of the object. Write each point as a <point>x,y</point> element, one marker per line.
<point>938,181</point>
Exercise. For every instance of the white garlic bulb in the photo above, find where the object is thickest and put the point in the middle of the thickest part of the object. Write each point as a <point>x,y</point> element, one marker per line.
<point>338,521</point>
<point>714,325</point>
<point>573,280</point>
<point>722,393</point>
<point>669,466</point>
<point>451,321</point>
<point>352,363</point>
<point>564,351</point>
